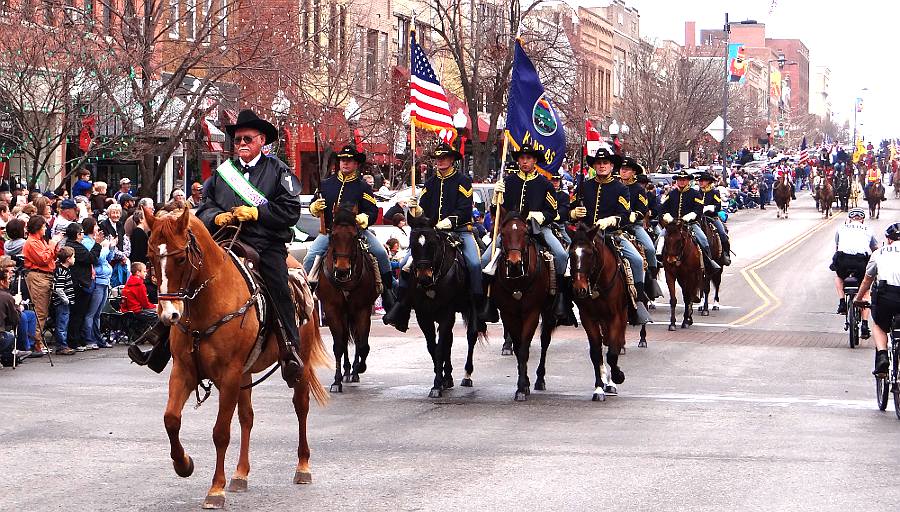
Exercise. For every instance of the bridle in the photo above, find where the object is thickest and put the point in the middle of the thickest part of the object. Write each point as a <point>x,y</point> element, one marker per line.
<point>438,264</point>
<point>678,250</point>
<point>355,249</point>
<point>523,254</point>
<point>194,256</point>
<point>594,274</point>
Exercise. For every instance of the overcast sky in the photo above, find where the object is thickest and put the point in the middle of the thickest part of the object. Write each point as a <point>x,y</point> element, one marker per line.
<point>857,40</point>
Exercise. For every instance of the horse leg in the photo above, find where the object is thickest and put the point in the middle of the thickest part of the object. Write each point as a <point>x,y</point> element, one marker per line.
<point>643,341</point>
<point>717,283</point>
<point>238,481</point>
<point>704,307</point>
<point>471,337</point>
<point>181,383</point>
<point>673,301</point>
<point>302,474</point>
<point>507,349</point>
<point>547,325</point>
<point>595,343</point>
<point>445,347</point>
<point>615,338</point>
<point>339,334</point>
<point>688,305</point>
<point>426,323</point>
<point>523,347</point>
<point>362,326</point>
<point>229,389</point>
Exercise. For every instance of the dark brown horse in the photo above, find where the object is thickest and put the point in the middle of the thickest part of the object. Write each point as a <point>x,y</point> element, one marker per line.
<point>599,288</point>
<point>347,289</point>
<point>782,195</point>
<point>214,328</point>
<point>522,292</point>
<point>874,196</point>
<point>826,196</point>
<point>712,279</point>
<point>683,263</point>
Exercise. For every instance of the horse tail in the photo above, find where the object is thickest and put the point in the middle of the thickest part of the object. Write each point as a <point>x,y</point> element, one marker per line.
<point>314,356</point>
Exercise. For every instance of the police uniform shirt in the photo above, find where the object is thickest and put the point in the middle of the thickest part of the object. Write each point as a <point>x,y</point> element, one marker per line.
<point>529,193</point>
<point>603,197</point>
<point>640,202</point>
<point>679,203</point>
<point>448,197</point>
<point>884,264</point>
<point>710,197</point>
<point>855,238</point>
<point>339,190</point>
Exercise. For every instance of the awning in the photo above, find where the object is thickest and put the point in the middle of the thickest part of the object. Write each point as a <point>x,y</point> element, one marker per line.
<point>215,138</point>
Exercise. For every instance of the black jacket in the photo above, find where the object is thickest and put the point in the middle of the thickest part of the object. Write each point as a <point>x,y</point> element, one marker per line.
<point>349,192</point>
<point>117,230</point>
<point>84,263</point>
<point>603,198</point>
<point>711,197</point>
<point>449,197</point>
<point>276,217</point>
<point>678,203</point>
<point>563,206</point>
<point>529,193</point>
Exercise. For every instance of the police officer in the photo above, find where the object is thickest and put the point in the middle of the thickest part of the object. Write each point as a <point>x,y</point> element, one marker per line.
<point>712,205</point>
<point>531,195</point>
<point>683,202</point>
<point>447,203</point>
<point>265,225</point>
<point>347,189</point>
<point>884,265</point>
<point>640,210</point>
<point>854,242</point>
<point>605,202</point>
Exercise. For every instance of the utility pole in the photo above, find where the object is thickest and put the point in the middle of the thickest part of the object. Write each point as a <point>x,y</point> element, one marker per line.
<point>725,106</point>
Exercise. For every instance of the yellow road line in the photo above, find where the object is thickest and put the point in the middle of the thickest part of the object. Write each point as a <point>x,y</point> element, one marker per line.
<point>771,302</point>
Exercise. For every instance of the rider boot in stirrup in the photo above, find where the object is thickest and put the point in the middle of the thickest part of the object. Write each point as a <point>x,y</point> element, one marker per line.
<point>641,313</point>
<point>708,259</point>
<point>398,315</point>
<point>289,355</point>
<point>842,307</point>
<point>882,363</point>
<point>726,251</point>
<point>563,308</point>
<point>157,357</point>
<point>387,291</point>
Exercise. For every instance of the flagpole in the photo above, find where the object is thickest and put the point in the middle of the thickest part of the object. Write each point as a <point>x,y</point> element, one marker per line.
<point>412,116</point>
<point>500,195</point>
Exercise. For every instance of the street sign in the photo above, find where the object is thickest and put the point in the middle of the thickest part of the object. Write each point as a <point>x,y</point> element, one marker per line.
<point>715,129</point>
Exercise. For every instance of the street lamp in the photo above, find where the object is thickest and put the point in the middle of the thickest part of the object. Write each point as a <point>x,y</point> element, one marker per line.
<point>614,129</point>
<point>459,122</point>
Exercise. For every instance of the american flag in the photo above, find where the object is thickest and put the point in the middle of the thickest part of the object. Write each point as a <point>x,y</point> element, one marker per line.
<point>804,153</point>
<point>430,109</point>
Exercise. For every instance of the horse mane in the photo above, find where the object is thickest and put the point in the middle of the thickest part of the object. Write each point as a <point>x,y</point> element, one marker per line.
<point>417,223</point>
<point>511,216</point>
<point>581,234</point>
<point>345,216</point>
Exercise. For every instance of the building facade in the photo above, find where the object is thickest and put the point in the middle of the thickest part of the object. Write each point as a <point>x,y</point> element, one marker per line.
<point>820,92</point>
<point>795,77</point>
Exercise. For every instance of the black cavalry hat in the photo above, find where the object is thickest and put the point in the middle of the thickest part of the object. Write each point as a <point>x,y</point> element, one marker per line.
<point>705,176</point>
<point>349,152</point>
<point>528,149</point>
<point>682,174</point>
<point>605,153</point>
<point>445,149</point>
<point>642,178</point>
<point>249,119</point>
<point>631,163</point>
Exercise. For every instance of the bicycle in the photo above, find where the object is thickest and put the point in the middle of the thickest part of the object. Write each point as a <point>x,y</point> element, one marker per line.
<point>854,312</point>
<point>887,383</point>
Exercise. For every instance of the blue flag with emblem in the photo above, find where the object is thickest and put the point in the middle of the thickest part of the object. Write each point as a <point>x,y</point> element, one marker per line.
<point>531,117</point>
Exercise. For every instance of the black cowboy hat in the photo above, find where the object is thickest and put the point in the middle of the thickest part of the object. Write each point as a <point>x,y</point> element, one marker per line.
<point>683,174</point>
<point>642,178</point>
<point>249,119</point>
<point>445,149</point>
<point>528,149</point>
<point>349,151</point>
<point>604,153</point>
<point>704,176</point>
<point>633,164</point>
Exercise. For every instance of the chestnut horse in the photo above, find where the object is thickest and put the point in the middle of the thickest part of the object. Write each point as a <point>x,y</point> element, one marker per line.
<point>874,196</point>
<point>599,289</point>
<point>826,197</point>
<point>347,289</point>
<point>206,301</point>
<point>782,196</point>
<point>683,263</point>
<point>522,293</point>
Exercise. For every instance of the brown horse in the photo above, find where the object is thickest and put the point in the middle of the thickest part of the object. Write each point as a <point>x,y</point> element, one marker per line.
<point>214,328</point>
<point>782,196</point>
<point>522,293</point>
<point>599,288</point>
<point>826,196</point>
<point>683,263</point>
<point>712,279</point>
<point>347,289</point>
<point>874,196</point>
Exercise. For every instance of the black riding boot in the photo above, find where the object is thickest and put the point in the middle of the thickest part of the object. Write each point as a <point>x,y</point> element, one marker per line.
<point>641,313</point>
<point>398,315</point>
<point>387,291</point>
<point>709,261</point>
<point>489,313</point>
<point>882,363</point>
<point>651,287</point>
<point>726,252</point>
<point>559,303</point>
<point>157,357</point>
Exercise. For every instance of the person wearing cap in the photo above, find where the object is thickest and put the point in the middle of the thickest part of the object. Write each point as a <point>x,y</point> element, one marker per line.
<point>883,265</point>
<point>124,188</point>
<point>266,221</point>
<point>478,226</point>
<point>531,195</point>
<point>854,241</point>
<point>196,195</point>
<point>447,204</point>
<point>67,215</point>
<point>712,205</point>
<point>629,172</point>
<point>347,189</point>
<point>605,202</point>
<point>683,202</point>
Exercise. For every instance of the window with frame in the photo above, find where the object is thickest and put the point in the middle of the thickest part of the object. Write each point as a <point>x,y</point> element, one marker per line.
<point>223,19</point>
<point>208,6</point>
<point>174,6</point>
<point>317,31</point>
<point>190,19</point>
<point>403,27</point>
<point>371,53</point>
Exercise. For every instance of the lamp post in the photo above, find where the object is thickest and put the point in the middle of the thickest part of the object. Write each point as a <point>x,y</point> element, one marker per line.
<point>614,133</point>
<point>459,122</point>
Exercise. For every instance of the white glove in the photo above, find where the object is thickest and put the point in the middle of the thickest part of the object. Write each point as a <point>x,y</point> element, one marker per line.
<point>632,217</point>
<point>444,224</point>
<point>499,188</point>
<point>606,222</point>
<point>709,208</point>
<point>579,212</point>
<point>413,203</point>
<point>538,216</point>
<point>362,220</point>
<point>667,218</point>
<point>415,211</point>
<point>689,217</point>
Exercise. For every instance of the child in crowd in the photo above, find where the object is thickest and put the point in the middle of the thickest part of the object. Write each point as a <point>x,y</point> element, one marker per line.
<point>63,296</point>
<point>134,295</point>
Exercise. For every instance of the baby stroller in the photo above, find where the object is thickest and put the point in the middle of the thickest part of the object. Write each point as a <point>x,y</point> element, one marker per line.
<point>119,327</point>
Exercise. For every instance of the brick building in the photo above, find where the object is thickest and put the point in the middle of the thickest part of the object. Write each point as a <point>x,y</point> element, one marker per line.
<point>796,76</point>
<point>626,40</point>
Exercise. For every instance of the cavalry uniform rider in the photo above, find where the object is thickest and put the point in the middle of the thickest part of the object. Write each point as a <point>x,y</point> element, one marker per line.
<point>884,266</point>
<point>347,189</point>
<point>712,205</point>
<point>854,242</point>
<point>640,209</point>
<point>447,203</point>
<point>605,202</point>
<point>683,202</point>
<point>563,207</point>
<point>264,195</point>
<point>531,195</point>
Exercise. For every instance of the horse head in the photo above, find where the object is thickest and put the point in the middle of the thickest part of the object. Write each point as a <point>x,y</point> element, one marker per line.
<point>344,233</point>
<point>676,240</point>
<point>584,260</point>
<point>514,232</point>
<point>176,258</point>
<point>425,246</point>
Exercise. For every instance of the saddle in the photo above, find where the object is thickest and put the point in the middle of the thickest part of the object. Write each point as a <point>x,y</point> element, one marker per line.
<point>624,266</point>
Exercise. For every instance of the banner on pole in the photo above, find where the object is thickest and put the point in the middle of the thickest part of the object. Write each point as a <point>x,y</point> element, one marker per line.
<point>737,63</point>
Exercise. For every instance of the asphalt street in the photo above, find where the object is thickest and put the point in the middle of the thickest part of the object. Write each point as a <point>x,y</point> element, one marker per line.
<point>760,406</point>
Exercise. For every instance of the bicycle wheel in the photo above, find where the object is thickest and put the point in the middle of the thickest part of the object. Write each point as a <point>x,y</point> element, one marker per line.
<point>853,321</point>
<point>895,374</point>
<point>882,390</point>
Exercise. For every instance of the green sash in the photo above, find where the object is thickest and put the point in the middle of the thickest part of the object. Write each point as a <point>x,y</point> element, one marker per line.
<point>241,186</point>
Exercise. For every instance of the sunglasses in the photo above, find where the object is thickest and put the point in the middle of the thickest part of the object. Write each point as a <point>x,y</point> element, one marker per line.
<point>245,139</point>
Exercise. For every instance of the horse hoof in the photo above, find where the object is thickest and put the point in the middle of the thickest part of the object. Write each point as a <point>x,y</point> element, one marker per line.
<point>690,321</point>
<point>347,378</point>
<point>466,383</point>
<point>302,477</point>
<point>337,388</point>
<point>598,397</point>
<point>521,396</point>
<point>237,484</point>
<point>642,344</point>
<point>354,378</point>
<point>651,306</point>
<point>540,385</point>
<point>187,469</point>
<point>214,501</point>
<point>672,327</point>
<point>434,393</point>
<point>611,390</point>
<point>715,308</point>
<point>618,376</point>
<point>361,367</point>
<point>704,313</point>
<point>622,351</point>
